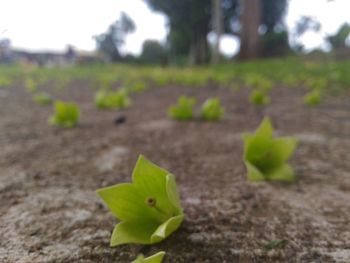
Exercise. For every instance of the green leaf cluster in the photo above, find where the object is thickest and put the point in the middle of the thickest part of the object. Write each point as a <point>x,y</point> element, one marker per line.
<point>66,114</point>
<point>212,110</point>
<point>149,208</point>
<point>266,157</point>
<point>105,99</point>
<point>183,110</point>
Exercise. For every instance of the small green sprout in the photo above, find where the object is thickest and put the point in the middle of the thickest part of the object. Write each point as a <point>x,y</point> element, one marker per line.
<point>4,82</point>
<point>258,97</point>
<point>276,243</point>
<point>312,98</point>
<point>183,110</point>
<point>43,98</point>
<point>66,114</point>
<point>138,86</point>
<point>266,157</point>
<point>156,258</point>
<point>30,85</point>
<point>212,110</point>
<point>149,208</point>
<point>111,99</point>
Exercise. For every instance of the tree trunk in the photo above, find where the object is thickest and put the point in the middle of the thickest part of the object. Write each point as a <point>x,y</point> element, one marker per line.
<point>198,50</point>
<point>250,21</point>
<point>217,23</point>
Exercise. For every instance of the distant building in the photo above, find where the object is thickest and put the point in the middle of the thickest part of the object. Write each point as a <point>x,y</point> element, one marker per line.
<point>39,58</point>
<point>6,55</point>
<point>45,58</point>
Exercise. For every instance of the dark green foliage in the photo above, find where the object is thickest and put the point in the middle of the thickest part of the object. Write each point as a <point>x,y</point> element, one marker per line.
<point>109,43</point>
<point>273,12</point>
<point>338,40</point>
<point>153,53</point>
<point>189,24</point>
<point>275,44</point>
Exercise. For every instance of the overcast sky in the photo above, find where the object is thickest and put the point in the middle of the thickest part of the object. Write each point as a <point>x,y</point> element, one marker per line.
<point>53,24</point>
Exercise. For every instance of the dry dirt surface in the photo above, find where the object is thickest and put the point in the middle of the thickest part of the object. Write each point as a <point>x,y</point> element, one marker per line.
<point>49,211</point>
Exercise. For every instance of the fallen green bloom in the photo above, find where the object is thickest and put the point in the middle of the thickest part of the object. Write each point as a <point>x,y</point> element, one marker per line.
<point>266,157</point>
<point>212,110</point>
<point>149,208</point>
<point>66,114</point>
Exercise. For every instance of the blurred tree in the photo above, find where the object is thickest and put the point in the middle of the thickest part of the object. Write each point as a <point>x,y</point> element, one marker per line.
<point>217,25</point>
<point>304,24</point>
<point>275,44</point>
<point>110,42</point>
<point>189,25</point>
<point>307,23</point>
<point>338,40</point>
<point>250,22</point>
<point>153,53</point>
<point>262,30</point>
<point>273,12</point>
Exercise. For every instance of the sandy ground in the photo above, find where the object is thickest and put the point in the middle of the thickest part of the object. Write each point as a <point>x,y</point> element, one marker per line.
<point>49,211</point>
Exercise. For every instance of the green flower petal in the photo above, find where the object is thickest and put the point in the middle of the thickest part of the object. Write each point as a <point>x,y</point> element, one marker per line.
<point>148,175</point>
<point>253,173</point>
<point>133,233</point>
<point>257,144</point>
<point>283,173</point>
<point>264,130</point>
<point>282,148</point>
<point>156,258</point>
<point>247,138</point>
<point>165,229</point>
<point>126,202</point>
<point>172,192</point>
<point>151,181</point>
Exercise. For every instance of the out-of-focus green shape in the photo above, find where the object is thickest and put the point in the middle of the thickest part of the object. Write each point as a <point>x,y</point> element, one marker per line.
<point>212,110</point>
<point>312,98</point>
<point>30,85</point>
<point>259,97</point>
<point>266,157</point>
<point>66,114</point>
<point>42,98</point>
<point>5,82</point>
<point>105,99</point>
<point>276,243</point>
<point>183,110</point>
<point>149,208</point>
<point>156,258</point>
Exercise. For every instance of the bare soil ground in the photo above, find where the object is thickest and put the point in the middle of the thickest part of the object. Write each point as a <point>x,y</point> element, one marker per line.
<point>49,211</point>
